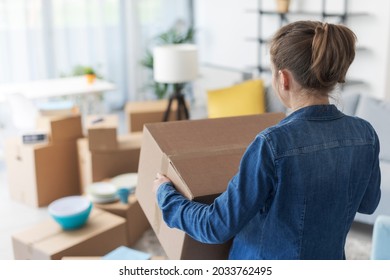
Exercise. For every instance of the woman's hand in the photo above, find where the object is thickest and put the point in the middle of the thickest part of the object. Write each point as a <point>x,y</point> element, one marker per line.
<point>160,179</point>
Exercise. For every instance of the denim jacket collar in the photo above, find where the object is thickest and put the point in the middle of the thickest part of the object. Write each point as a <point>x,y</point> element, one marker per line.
<point>315,113</point>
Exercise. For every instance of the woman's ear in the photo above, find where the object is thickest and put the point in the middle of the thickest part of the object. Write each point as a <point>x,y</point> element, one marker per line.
<point>285,79</point>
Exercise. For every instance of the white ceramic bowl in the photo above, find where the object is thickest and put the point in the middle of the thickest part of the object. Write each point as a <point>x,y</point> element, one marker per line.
<point>69,205</point>
<point>70,212</point>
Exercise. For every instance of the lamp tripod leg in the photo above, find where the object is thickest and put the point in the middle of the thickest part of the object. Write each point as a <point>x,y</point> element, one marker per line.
<point>168,111</point>
<point>178,113</point>
<point>184,108</point>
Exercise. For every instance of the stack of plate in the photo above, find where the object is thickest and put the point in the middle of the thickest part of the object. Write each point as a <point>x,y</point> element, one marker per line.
<point>102,192</point>
<point>127,180</point>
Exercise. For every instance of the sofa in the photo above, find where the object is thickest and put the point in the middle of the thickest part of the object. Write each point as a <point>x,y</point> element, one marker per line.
<point>377,112</point>
<point>227,101</point>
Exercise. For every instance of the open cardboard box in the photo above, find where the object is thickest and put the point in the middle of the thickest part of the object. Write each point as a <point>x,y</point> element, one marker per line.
<point>61,128</point>
<point>200,157</point>
<point>38,174</point>
<point>43,172</point>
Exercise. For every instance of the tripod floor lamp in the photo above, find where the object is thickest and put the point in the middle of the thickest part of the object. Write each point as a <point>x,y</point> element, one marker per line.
<point>176,64</point>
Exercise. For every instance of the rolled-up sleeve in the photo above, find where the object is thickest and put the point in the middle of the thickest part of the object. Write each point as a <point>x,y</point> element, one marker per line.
<point>246,194</point>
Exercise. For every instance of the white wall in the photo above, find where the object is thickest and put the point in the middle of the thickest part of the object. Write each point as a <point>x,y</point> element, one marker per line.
<point>373,33</point>
<point>225,26</point>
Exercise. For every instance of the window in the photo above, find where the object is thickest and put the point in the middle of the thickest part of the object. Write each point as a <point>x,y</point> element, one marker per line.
<point>41,39</point>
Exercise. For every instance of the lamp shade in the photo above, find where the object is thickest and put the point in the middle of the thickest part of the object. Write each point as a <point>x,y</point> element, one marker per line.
<point>175,63</point>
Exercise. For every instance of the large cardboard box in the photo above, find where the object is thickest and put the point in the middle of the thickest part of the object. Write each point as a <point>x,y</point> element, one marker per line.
<point>103,233</point>
<point>136,222</point>
<point>41,173</point>
<point>200,157</point>
<point>142,112</point>
<point>98,165</point>
<point>61,128</point>
<point>102,132</point>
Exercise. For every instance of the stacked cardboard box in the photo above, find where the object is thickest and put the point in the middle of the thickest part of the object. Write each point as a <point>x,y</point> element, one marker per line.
<point>102,132</point>
<point>140,113</point>
<point>41,173</point>
<point>200,157</point>
<point>102,233</point>
<point>104,154</point>
<point>136,222</point>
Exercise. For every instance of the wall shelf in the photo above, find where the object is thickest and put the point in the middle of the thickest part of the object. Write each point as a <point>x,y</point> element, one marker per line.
<point>322,15</point>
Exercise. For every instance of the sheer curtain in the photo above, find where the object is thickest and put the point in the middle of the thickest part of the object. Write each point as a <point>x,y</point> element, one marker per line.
<point>21,41</point>
<point>151,18</point>
<point>41,39</point>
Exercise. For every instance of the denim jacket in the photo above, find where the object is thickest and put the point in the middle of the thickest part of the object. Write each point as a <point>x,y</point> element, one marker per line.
<point>296,193</point>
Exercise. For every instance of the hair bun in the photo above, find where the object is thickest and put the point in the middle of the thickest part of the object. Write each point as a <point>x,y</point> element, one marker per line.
<point>322,53</point>
<point>333,50</point>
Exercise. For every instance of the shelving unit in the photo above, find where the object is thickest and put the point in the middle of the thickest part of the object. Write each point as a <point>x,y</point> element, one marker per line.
<point>322,15</point>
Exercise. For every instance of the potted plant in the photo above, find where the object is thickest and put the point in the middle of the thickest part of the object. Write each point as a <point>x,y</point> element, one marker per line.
<point>282,6</point>
<point>89,73</point>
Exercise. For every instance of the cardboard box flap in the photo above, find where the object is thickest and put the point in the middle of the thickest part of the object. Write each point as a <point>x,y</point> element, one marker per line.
<point>220,166</point>
<point>61,127</point>
<point>193,136</point>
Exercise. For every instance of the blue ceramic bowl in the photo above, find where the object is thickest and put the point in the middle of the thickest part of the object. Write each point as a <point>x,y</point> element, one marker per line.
<point>70,212</point>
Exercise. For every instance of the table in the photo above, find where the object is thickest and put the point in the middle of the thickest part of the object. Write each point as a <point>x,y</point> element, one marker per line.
<point>70,86</point>
<point>85,95</point>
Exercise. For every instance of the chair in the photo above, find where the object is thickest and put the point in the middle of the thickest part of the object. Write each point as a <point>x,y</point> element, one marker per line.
<point>246,98</point>
<point>381,238</point>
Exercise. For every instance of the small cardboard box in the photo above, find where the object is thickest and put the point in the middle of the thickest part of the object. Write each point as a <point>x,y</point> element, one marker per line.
<point>41,173</point>
<point>102,233</point>
<point>61,128</point>
<point>140,113</point>
<point>136,222</point>
<point>102,132</point>
<point>200,157</point>
<point>98,165</point>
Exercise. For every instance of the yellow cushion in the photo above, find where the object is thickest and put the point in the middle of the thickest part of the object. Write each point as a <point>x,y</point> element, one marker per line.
<point>246,98</point>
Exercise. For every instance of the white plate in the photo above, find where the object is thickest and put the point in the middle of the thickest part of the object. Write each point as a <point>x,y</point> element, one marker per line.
<point>102,190</point>
<point>127,180</point>
<point>95,199</point>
